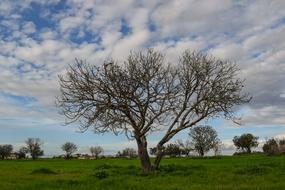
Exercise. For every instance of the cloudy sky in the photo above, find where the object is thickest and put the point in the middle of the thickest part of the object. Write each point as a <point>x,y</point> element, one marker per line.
<point>38,39</point>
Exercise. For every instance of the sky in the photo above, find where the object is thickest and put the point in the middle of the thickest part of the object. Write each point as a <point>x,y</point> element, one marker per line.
<point>38,39</point>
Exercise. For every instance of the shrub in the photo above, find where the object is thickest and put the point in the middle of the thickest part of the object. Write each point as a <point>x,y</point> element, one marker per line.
<point>100,174</point>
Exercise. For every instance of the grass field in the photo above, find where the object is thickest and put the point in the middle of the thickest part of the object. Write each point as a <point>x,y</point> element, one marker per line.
<point>228,172</point>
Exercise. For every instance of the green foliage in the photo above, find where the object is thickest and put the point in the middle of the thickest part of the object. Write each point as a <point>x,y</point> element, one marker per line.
<point>245,142</point>
<point>204,138</point>
<point>5,150</point>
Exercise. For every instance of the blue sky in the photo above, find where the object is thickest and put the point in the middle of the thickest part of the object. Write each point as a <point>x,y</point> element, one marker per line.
<point>38,39</point>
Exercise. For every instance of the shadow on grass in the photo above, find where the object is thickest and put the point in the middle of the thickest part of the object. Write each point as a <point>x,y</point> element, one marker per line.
<point>43,171</point>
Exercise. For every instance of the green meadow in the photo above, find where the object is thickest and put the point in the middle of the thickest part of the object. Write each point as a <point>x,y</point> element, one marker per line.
<point>225,172</point>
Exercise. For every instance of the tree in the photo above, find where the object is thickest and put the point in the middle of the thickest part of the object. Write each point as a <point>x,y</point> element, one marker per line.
<point>204,138</point>
<point>146,94</point>
<point>245,142</point>
<point>270,147</point>
<point>69,149</point>
<point>21,153</point>
<point>185,147</point>
<point>217,147</point>
<point>5,150</point>
<point>128,152</point>
<point>282,146</point>
<point>96,151</point>
<point>33,146</point>
<point>172,150</point>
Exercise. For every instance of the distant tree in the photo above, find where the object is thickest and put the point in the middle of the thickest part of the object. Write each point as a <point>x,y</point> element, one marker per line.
<point>69,149</point>
<point>128,152</point>
<point>5,150</point>
<point>33,146</point>
<point>203,138</point>
<point>245,142</point>
<point>270,147</point>
<point>96,151</point>
<point>217,147</point>
<point>177,148</point>
<point>185,147</point>
<point>172,150</point>
<point>146,94</point>
<point>282,146</point>
<point>21,153</point>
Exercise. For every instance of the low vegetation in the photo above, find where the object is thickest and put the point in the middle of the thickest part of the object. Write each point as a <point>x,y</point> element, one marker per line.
<point>222,172</point>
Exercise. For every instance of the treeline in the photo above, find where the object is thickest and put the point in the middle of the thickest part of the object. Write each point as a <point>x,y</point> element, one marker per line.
<point>201,140</point>
<point>32,147</point>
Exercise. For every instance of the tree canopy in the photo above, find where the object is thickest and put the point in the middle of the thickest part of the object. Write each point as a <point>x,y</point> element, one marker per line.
<point>204,138</point>
<point>146,94</point>
<point>69,149</point>
<point>33,146</point>
<point>245,142</point>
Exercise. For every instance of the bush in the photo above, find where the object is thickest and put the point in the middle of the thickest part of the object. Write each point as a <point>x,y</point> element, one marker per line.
<point>100,174</point>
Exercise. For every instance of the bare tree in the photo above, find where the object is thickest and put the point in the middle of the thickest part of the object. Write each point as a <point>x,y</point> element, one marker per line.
<point>186,147</point>
<point>204,138</point>
<point>5,151</point>
<point>96,151</point>
<point>33,146</point>
<point>146,94</point>
<point>69,149</point>
<point>217,147</point>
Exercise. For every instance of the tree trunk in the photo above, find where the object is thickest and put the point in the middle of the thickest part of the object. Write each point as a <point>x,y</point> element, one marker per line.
<point>159,155</point>
<point>248,150</point>
<point>201,152</point>
<point>143,154</point>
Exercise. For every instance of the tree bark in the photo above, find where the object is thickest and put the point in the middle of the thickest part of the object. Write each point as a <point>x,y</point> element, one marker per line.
<point>157,160</point>
<point>143,154</point>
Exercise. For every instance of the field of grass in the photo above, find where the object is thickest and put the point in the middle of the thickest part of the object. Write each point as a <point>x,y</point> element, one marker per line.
<point>227,172</point>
